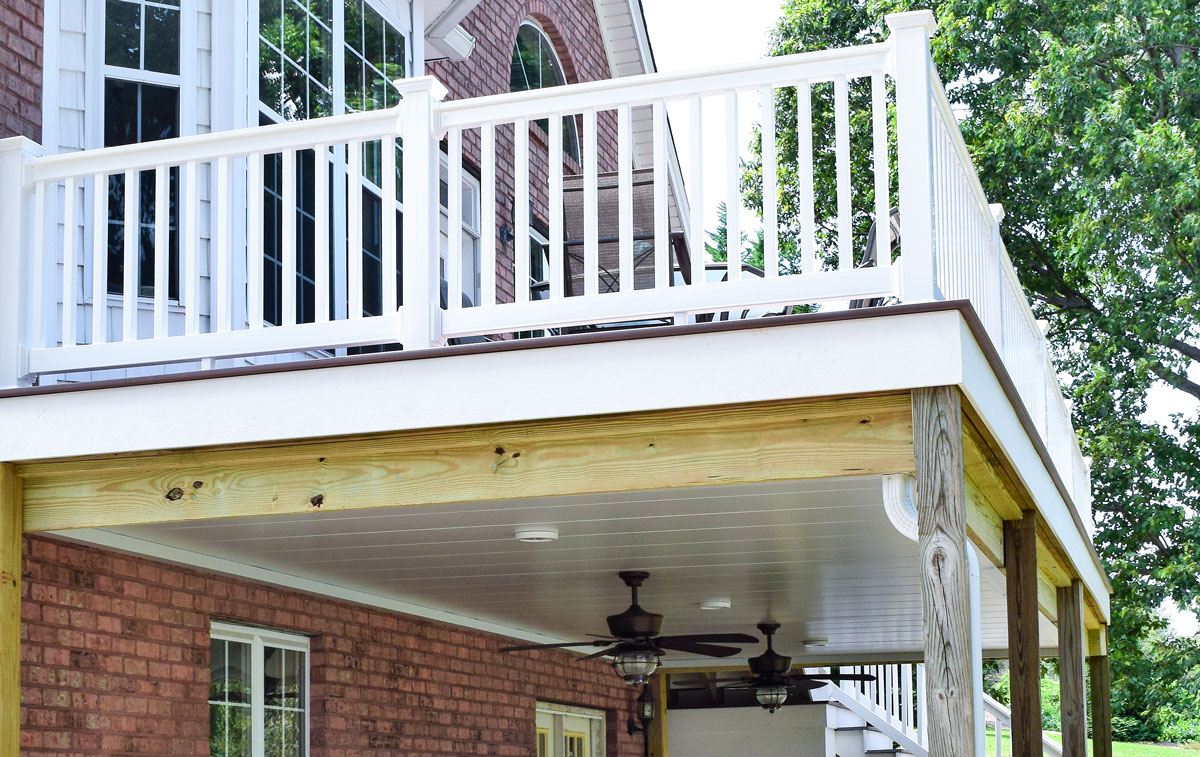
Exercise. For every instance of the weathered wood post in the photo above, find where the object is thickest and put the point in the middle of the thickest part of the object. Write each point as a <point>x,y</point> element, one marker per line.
<point>1101,698</point>
<point>1070,669</point>
<point>942,535</point>
<point>1024,661</point>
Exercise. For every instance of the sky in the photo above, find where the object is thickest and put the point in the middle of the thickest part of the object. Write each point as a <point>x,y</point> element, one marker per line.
<point>691,34</point>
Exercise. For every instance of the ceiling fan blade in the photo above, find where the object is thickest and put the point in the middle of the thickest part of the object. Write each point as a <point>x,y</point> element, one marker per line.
<point>527,647</point>
<point>805,684</point>
<point>714,638</point>
<point>832,677</point>
<point>708,650</point>
<point>594,655</point>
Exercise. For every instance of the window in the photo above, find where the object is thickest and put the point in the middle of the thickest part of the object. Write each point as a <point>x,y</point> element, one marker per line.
<point>564,731</point>
<point>258,693</point>
<point>470,236</point>
<point>298,69</point>
<point>141,104</point>
<point>535,65</point>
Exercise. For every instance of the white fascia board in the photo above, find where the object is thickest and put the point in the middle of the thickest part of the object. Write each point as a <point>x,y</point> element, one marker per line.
<point>444,15</point>
<point>987,396</point>
<point>456,45</point>
<point>821,359</point>
<point>222,566</point>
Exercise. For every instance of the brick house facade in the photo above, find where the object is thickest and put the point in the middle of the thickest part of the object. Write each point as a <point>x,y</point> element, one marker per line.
<point>21,68</point>
<point>115,660</point>
<point>573,28</point>
<point>115,649</point>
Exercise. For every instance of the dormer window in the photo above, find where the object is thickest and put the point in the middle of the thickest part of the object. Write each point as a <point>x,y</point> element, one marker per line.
<point>535,65</point>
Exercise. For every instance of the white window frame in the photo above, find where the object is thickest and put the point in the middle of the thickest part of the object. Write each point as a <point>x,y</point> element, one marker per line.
<point>258,638</point>
<point>557,715</point>
<point>470,227</point>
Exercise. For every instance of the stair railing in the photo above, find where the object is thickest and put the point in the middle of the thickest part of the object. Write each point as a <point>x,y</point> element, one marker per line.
<point>1001,719</point>
<point>890,704</point>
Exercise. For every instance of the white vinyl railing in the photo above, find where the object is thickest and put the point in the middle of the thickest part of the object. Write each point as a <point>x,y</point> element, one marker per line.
<point>198,205</point>
<point>892,704</point>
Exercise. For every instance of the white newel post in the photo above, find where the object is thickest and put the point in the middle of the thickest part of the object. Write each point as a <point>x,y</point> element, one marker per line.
<point>16,254</point>
<point>420,322</point>
<point>910,35</point>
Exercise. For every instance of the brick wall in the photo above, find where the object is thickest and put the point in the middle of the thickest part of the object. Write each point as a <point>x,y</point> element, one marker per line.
<point>21,68</point>
<point>575,31</point>
<point>115,660</point>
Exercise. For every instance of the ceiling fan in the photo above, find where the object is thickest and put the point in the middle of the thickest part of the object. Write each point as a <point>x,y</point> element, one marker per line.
<point>772,680</point>
<point>634,642</point>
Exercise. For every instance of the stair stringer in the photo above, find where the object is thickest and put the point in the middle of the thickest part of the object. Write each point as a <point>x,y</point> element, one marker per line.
<point>876,719</point>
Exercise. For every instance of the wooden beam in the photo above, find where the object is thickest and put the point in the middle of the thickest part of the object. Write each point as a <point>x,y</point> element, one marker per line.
<point>941,525</point>
<point>762,442</point>
<point>1024,663</point>
<point>10,610</point>
<point>1101,705</point>
<point>1070,670</point>
<point>658,727</point>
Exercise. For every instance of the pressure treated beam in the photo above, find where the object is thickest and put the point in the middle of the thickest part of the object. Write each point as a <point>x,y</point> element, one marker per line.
<point>1070,670</point>
<point>1024,662</point>
<point>659,726</point>
<point>763,442</point>
<point>1101,682</point>
<point>10,610</point>
<point>941,526</point>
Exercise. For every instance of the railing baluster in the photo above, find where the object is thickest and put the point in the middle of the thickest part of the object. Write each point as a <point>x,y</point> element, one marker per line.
<point>804,156</point>
<point>625,197</point>
<point>354,247</point>
<point>841,113</point>
<point>733,191</point>
<point>696,190</point>
<point>37,323</point>
<point>162,257</point>
<point>70,189</point>
<point>883,253</point>
<point>922,713</point>
<point>387,219</point>
<point>487,195</point>
<point>321,228</point>
<point>591,242</point>
<point>770,184</point>
<point>287,240</point>
<point>906,684</point>
<point>454,221</point>
<point>556,281</point>
<point>99,258</point>
<point>223,281</point>
<point>521,210</point>
<point>129,292</point>
<point>254,241</point>
<point>662,216</point>
<point>190,238</point>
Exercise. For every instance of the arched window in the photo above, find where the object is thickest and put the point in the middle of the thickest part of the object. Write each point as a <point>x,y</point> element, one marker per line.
<point>535,65</point>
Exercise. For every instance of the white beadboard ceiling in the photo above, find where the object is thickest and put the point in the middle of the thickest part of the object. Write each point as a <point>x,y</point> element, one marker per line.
<point>818,556</point>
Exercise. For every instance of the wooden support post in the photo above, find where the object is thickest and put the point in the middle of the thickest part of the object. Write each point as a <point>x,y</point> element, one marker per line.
<point>942,533</point>
<point>1024,662</point>
<point>1101,706</point>
<point>10,610</point>
<point>1070,669</point>
<point>658,727</point>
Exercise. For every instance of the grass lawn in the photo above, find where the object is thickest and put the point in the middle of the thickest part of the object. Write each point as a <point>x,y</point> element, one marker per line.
<point>1120,749</point>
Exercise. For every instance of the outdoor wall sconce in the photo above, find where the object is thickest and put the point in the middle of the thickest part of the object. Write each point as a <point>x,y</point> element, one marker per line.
<point>645,713</point>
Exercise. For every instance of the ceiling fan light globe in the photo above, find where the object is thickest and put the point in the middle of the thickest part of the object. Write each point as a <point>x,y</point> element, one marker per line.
<point>771,697</point>
<point>636,667</point>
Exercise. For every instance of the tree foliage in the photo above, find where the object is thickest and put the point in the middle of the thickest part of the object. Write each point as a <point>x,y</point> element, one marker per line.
<point>1083,118</point>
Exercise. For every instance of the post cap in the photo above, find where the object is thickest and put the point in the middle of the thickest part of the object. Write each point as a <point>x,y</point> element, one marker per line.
<point>429,84</point>
<point>912,20</point>
<point>997,211</point>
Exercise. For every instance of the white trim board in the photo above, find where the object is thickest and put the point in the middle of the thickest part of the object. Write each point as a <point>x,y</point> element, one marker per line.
<point>186,558</point>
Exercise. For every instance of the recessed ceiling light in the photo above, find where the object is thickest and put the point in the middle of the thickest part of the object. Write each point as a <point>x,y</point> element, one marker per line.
<point>816,642</point>
<point>536,534</point>
<point>715,604</point>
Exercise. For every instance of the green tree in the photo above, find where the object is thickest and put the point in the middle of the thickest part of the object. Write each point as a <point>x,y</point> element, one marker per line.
<point>1083,118</point>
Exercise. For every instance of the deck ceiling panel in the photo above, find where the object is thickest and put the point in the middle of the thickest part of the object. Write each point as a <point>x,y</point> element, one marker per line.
<point>819,556</point>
